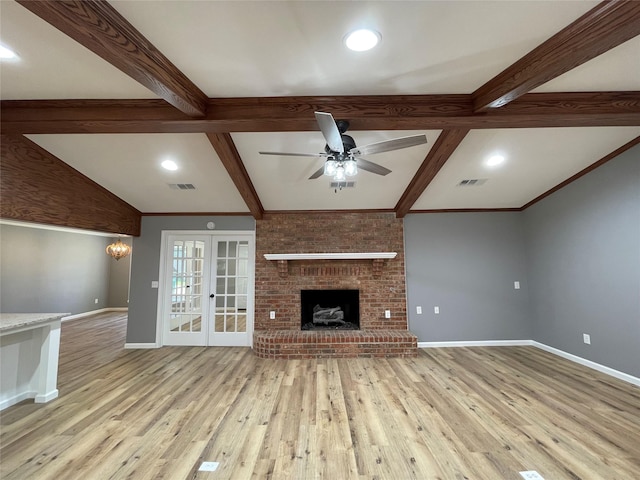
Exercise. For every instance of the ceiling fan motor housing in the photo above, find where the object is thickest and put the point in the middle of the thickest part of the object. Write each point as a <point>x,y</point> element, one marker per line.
<point>347,141</point>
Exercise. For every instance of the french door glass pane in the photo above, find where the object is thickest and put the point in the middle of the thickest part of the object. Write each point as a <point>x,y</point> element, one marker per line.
<point>231,286</point>
<point>186,286</point>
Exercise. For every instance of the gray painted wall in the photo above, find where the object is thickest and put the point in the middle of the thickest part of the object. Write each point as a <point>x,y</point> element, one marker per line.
<point>145,265</point>
<point>466,263</point>
<point>584,264</point>
<point>52,271</point>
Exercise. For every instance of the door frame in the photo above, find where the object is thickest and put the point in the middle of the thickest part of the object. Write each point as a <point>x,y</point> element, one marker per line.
<point>163,288</point>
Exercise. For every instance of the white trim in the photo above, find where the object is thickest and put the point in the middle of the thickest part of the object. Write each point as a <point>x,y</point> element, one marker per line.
<point>479,343</point>
<point>46,397</point>
<point>164,265</point>
<point>44,226</point>
<point>93,312</point>
<point>588,363</point>
<point>511,343</point>
<point>7,402</point>
<point>141,345</point>
<point>329,256</point>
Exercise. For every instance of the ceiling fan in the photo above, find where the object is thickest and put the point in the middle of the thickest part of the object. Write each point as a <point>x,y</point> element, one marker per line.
<point>343,156</point>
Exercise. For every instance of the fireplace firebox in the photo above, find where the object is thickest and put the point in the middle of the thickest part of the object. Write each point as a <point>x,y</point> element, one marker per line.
<point>330,309</point>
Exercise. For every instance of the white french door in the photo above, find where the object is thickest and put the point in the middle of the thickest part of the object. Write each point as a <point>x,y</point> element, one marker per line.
<point>207,289</point>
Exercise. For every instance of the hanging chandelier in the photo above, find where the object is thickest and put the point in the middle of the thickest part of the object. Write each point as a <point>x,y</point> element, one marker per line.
<point>118,250</point>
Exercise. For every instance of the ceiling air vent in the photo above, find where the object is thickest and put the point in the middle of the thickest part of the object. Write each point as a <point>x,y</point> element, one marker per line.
<point>474,182</point>
<point>342,185</point>
<point>182,186</point>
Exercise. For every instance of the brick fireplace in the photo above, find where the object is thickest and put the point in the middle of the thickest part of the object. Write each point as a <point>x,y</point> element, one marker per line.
<point>380,282</point>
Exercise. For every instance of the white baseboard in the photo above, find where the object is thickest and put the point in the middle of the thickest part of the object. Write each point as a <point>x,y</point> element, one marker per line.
<point>94,312</point>
<point>510,343</point>
<point>141,345</point>
<point>47,397</point>
<point>588,363</point>
<point>479,343</point>
<point>7,402</point>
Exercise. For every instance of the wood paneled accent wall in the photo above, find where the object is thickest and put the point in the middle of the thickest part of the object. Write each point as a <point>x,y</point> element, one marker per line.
<point>35,186</point>
<point>322,233</point>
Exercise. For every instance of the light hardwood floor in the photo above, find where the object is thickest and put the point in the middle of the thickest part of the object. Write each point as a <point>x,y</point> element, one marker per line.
<point>457,413</point>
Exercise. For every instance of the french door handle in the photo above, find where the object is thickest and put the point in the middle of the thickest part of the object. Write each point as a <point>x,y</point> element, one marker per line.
<point>212,295</point>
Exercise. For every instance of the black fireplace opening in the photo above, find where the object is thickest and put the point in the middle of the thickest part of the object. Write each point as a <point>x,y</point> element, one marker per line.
<point>330,309</point>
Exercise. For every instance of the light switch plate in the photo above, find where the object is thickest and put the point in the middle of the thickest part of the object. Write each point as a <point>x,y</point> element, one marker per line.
<point>436,310</point>
<point>154,284</point>
<point>419,310</point>
<point>516,285</point>
<point>387,314</point>
<point>272,314</point>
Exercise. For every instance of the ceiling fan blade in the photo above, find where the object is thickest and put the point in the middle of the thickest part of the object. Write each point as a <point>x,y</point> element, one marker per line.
<point>288,154</point>
<point>389,145</point>
<point>372,167</point>
<point>317,174</point>
<point>330,131</point>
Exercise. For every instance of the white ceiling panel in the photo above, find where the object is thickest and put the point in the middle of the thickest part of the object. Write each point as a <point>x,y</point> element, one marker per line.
<point>536,160</point>
<point>271,48</point>
<point>615,70</point>
<point>129,166</point>
<point>282,182</point>
<point>53,66</point>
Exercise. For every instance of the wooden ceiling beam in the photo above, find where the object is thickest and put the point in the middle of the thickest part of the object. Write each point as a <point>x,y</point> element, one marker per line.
<point>417,112</point>
<point>444,147</point>
<point>230,158</point>
<point>602,28</point>
<point>99,27</point>
<point>39,187</point>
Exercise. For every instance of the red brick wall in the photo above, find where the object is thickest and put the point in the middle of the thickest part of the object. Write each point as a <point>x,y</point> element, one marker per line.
<point>322,233</point>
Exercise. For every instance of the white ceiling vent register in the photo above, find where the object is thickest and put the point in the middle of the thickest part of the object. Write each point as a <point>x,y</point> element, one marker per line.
<point>473,182</point>
<point>342,185</point>
<point>182,186</point>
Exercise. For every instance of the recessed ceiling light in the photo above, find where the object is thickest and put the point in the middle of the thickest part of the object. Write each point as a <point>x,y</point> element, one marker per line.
<point>494,160</point>
<point>169,165</point>
<point>7,54</point>
<point>362,40</point>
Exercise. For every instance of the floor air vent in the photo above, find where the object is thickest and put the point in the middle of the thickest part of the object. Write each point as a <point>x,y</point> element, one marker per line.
<point>474,182</point>
<point>342,185</point>
<point>182,186</point>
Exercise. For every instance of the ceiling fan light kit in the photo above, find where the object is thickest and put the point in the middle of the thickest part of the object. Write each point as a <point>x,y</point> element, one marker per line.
<point>340,170</point>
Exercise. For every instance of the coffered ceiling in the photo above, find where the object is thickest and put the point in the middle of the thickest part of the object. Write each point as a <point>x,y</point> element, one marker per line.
<point>113,89</point>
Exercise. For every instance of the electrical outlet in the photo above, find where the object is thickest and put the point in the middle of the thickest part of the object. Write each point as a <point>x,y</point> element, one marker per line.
<point>531,475</point>
<point>586,338</point>
<point>436,310</point>
<point>209,466</point>
<point>387,314</point>
<point>419,310</point>
<point>95,301</point>
<point>516,285</point>
<point>272,314</point>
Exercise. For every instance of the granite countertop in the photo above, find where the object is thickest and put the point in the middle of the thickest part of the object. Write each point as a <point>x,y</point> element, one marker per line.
<point>13,321</point>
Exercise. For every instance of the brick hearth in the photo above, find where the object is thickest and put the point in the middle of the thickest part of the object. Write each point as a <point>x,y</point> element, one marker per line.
<point>334,344</point>
<point>381,285</point>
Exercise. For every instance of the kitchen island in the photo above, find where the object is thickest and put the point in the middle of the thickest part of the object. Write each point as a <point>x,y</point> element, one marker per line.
<point>29,349</point>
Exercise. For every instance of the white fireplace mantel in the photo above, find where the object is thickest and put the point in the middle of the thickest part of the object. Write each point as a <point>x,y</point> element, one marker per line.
<point>378,259</point>
<point>331,256</point>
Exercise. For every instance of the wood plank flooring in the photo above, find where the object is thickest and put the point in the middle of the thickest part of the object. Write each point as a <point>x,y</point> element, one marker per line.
<point>456,413</point>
